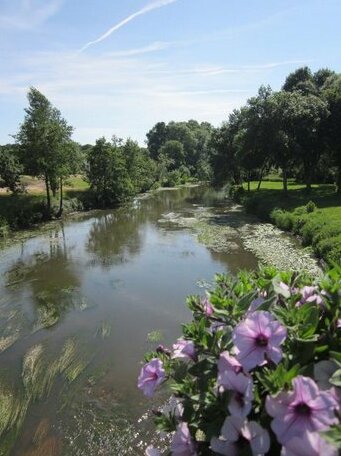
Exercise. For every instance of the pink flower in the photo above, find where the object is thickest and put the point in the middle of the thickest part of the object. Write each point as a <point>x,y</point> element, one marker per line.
<point>255,304</point>
<point>323,371</point>
<point>152,375</point>
<point>151,451</point>
<point>231,378</point>
<point>184,349</point>
<point>257,339</point>
<point>308,444</point>
<point>226,364</point>
<point>207,307</point>
<point>309,294</point>
<point>305,409</point>
<point>285,289</point>
<point>182,443</point>
<point>235,433</point>
<point>338,323</point>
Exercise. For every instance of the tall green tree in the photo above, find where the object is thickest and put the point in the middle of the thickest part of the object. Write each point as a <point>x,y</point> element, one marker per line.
<point>156,137</point>
<point>44,139</point>
<point>140,167</point>
<point>108,174</point>
<point>332,94</point>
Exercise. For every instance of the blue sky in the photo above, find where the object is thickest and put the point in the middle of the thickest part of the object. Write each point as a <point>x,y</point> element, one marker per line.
<point>118,67</point>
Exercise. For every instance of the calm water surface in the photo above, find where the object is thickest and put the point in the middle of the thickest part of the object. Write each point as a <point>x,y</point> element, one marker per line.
<point>77,304</point>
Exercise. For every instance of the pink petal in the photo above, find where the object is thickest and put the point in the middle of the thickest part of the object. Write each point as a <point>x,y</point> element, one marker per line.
<point>308,444</point>
<point>305,389</point>
<point>223,447</point>
<point>258,437</point>
<point>230,430</point>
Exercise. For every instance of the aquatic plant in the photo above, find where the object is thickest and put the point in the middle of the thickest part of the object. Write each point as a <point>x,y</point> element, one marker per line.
<point>260,373</point>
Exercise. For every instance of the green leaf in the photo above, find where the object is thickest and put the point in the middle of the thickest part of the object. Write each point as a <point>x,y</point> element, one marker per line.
<point>244,303</point>
<point>335,355</point>
<point>333,435</point>
<point>335,379</point>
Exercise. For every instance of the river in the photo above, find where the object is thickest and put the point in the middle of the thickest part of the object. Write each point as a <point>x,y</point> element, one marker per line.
<point>84,299</point>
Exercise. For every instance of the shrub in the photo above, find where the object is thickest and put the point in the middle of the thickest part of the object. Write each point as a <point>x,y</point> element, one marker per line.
<point>330,249</point>
<point>4,227</point>
<point>283,219</point>
<point>257,371</point>
<point>236,192</point>
<point>310,207</point>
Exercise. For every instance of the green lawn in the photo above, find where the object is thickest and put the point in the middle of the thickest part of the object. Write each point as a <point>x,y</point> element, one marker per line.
<point>318,224</point>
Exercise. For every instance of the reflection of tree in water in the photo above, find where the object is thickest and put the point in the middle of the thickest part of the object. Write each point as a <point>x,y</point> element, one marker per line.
<point>52,279</point>
<point>117,236</point>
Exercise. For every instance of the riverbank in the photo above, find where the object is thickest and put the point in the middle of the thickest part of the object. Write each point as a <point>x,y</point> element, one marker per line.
<point>25,213</point>
<point>28,210</point>
<point>314,217</point>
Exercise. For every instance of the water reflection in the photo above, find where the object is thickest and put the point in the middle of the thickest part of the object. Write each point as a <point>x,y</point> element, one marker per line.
<point>50,279</point>
<point>116,237</point>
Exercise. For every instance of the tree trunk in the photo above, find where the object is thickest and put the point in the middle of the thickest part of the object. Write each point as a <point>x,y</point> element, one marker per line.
<point>308,177</point>
<point>285,180</point>
<point>248,182</point>
<point>60,197</point>
<point>48,197</point>
<point>260,178</point>
<point>338,182</point>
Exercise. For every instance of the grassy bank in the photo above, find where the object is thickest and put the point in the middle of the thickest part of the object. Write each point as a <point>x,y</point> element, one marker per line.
<point>25,210</point>
<point>314,216</point>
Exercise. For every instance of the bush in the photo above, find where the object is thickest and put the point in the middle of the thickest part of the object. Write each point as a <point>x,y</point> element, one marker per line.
<point>261,352</point>
<point>330,249</point>
<point>73,205</point>
<point>310,207</point>
<point>236,192</point>
<point>4,227</point>
<point>283,219</point>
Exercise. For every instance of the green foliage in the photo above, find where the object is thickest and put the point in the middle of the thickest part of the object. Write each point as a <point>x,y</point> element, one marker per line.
<point>45,144</point>
<point>108,175</point>
<point>310,206</point>
<point>4,227</point>
<point>181,144</point>
<point>10,169</point>
<point>312,336</point>
<point>320,227</point>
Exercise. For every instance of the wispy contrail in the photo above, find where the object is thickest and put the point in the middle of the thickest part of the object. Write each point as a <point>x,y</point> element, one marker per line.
<point>146,9</point>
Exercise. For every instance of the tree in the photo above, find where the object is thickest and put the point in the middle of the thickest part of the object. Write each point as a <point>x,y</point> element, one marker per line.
<point>43,138</point>
<point>332,94</point>
<point>301,80</point>
<point>108,175</point>
<point>307,114</point>
<point>254,136</point>
<point>140,167</point>
<point>175,152</point>
<point>223,159</point>
<point>156,138</point>
<point>10,169</point>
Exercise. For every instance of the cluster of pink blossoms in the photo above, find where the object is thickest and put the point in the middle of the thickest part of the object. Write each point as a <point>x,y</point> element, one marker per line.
<point>299,415</point>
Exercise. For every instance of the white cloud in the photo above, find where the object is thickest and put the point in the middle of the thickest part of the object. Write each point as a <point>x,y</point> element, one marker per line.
<point>126,92</point>
<point>146,9</point>
<point>28,14</point>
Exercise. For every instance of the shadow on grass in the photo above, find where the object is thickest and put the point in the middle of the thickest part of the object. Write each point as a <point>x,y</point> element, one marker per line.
<point>323,196</point>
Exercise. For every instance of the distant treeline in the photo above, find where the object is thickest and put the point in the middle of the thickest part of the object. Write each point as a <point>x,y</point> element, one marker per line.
<point>294,131</point>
